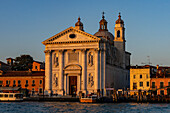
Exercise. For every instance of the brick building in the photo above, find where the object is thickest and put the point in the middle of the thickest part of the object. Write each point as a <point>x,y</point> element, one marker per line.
<point>160,83</point>
<point>4,66</point>
<point>38,66</point>
<point>33,81</point>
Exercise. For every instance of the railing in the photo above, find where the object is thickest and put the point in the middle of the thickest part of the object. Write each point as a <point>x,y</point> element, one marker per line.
<point>26,85</point>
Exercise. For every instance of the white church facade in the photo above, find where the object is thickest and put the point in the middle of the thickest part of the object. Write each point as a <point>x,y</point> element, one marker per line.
<point>78,61</point>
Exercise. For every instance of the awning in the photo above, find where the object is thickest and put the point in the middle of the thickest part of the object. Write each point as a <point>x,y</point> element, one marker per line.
<point>9,88</point>
<point>109,88</point>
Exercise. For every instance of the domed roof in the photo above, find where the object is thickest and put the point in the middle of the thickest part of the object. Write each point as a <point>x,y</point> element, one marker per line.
<point>79,23</point>
<point>103,31</point>
<point>119,20</point>
<point>104,34</point>
<point>103,21</point>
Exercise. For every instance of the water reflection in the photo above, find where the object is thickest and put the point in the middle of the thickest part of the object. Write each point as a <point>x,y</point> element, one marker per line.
<point>72,107</point>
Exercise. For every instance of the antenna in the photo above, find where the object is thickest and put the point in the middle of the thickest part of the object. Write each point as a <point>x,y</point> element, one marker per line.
<point>148,61</point>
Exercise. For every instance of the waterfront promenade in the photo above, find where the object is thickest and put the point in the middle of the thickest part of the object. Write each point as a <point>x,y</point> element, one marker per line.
<point>118,99</point>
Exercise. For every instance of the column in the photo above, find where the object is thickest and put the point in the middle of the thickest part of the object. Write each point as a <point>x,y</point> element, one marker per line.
<point>104,70</point>
<point>61,71</point>
<point>97,78</point>
<point>101,70</point>
<point>83,78</point>
<point>65,84</point>
<point>48,71</point>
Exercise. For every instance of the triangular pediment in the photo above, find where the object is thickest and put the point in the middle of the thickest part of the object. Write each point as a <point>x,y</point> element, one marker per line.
<point>73,67</point>
<point>71,35</point>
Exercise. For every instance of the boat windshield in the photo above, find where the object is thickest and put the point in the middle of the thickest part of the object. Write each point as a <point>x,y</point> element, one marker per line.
<point>11,95</point>
<point>1,95</point>
<point>18,95</point>
<point>6,95</point>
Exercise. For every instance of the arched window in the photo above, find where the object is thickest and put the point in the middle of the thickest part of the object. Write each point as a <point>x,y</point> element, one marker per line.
<point>14,82</point>
<point>118,33</point>
<point>40,81</point>
<point>33,81</point>
<point>19,81</point>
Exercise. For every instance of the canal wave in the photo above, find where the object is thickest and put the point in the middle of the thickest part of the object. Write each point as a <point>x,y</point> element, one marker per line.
<point>76,107</point>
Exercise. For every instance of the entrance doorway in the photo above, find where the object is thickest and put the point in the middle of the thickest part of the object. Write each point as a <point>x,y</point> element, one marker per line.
<point>72,85</point>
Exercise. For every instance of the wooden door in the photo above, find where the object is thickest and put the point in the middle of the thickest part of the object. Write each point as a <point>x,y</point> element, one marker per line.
<point>72,85</point>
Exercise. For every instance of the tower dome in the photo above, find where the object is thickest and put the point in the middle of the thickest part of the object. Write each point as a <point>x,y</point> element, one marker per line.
<point>119,20</point>
<point>79,25</point>
<point>103,31</point>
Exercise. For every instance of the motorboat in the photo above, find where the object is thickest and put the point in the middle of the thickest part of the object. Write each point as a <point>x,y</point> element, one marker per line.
<point>11,97</point>
<point>89,99</point>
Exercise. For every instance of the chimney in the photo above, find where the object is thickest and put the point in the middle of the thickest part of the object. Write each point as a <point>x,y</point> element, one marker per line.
<point>10,61</point>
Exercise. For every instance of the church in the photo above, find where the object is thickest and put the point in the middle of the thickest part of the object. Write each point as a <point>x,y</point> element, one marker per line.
<point>76,61</point>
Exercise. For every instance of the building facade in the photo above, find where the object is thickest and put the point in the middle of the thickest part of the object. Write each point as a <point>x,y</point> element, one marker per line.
<point>78,61</point>
<point>140,77</point>
<point>38,66</point>
<point>4,66</point>
<point>160,83</point>
<point>33,81</point>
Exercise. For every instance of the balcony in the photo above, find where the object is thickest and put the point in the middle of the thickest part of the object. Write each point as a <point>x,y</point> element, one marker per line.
<point>26,85</point>
<point>33,84</point>
<point>19,85</point>
<point>7,85</point>
<point>14,85</point>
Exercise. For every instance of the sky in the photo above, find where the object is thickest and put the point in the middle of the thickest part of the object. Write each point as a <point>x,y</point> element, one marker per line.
<point>24,24</point>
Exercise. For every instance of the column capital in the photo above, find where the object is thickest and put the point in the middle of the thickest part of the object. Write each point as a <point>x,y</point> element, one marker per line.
<point>97,49</point>
<point>61,50</point>
<point>83,50</point>
<point>47,51</point>
<point>103,49</point>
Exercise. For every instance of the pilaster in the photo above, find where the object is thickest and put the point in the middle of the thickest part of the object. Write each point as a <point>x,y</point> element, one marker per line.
<point>61,64</point>
<point>83,78</point>
<point>97,73</point>
<point>48,71</point>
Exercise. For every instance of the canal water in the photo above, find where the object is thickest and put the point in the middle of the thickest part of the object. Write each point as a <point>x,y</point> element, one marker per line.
<point>72,107</point>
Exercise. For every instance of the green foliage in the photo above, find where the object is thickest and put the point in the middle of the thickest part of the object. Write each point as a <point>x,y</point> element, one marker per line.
<point>23,63</point>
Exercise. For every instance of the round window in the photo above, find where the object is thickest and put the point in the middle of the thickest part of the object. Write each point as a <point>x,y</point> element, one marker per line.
<point>72,35</point>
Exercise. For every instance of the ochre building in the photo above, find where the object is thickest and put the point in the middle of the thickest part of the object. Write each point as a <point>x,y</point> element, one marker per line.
<point>140,77</point>
<point>76,61</point>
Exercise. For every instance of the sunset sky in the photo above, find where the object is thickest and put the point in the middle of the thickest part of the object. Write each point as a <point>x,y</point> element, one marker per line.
<point>24,24</point>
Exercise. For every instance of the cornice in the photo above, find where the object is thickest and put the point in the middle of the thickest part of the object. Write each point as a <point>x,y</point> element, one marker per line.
<point>66,42</point>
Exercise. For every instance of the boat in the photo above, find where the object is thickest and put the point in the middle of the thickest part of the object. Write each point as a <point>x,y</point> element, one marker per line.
<point>89,99</point>
<point>11,97</point>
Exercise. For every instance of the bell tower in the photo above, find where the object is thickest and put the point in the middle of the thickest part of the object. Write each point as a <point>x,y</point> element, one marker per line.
<point>119,40</point>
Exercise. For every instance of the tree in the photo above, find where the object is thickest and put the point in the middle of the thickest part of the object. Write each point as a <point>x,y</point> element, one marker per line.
<point>23,63</point>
